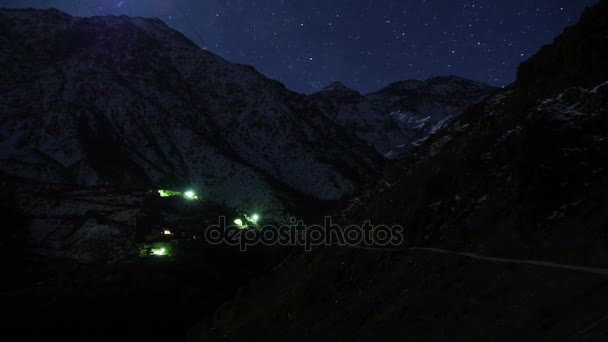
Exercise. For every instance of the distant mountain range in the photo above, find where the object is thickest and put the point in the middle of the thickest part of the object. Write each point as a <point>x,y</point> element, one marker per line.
<point>131,102</point>
<point>400,117</point>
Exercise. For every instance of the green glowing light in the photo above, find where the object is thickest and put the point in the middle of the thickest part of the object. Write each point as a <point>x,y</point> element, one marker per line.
<point>239,222</point>
<point>164,193</point>
<point>168,193</point>
<point>255,218</point>
<point>159,251</point>
<point>191,195</point>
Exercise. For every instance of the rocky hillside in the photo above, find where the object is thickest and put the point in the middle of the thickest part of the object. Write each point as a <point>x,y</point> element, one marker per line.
<point>76,263</point>
<point>130,102</point>
<point>401,116</point>
<point>520,177</point>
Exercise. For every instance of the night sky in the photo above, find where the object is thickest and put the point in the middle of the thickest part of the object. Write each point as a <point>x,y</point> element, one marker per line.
<point>366,44</point>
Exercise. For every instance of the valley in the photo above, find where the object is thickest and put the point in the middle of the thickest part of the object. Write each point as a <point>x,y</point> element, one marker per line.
<point>123,146</point>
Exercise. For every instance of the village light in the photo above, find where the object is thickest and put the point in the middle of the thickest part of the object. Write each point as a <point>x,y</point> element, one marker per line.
<point>255,218</point>
<point>159,251</point>
<point>190,194</point>
<point>168,193</point>
<point>238,222</point>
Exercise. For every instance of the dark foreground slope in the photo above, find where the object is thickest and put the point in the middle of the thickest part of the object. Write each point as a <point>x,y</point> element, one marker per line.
<point>76,263</point>
<point>523,175</point>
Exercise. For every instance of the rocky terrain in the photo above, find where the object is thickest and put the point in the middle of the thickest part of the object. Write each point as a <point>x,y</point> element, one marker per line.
<point>400,117</point>
<point>76,262</point>
<point>521,177</point>
<point>502,193</point>
<point>131,102</point>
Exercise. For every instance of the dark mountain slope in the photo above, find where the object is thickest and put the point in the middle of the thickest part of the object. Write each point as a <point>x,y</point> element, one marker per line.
<point>570,61</point>
<point>521,175</point>
<point>131,102</point>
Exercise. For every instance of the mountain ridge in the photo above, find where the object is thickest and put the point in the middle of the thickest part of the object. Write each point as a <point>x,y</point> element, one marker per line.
<point>519,176</point>
<point>169,113</point>
<point>398,117</point>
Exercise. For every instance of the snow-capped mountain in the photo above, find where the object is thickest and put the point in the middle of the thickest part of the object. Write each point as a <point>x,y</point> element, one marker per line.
<point>399,117</point>
<point>132,102</point>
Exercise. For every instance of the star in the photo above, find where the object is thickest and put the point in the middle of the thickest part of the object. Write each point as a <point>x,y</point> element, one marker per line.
<point>362,43</point>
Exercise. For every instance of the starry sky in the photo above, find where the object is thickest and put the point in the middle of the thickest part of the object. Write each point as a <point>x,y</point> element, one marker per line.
<point>366,44</point>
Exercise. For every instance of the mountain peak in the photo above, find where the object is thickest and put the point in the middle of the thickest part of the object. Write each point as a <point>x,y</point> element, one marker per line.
<point>338,86</point>
<point>437,83</point>
<point>448,79</point>
<point>395,117</point>
<point>403,85</point>
<point>39,14</point>
<point>169,128</point>
<point>575,58</point>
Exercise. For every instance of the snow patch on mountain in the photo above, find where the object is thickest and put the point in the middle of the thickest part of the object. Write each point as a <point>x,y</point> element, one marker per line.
<point>399,117</point>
